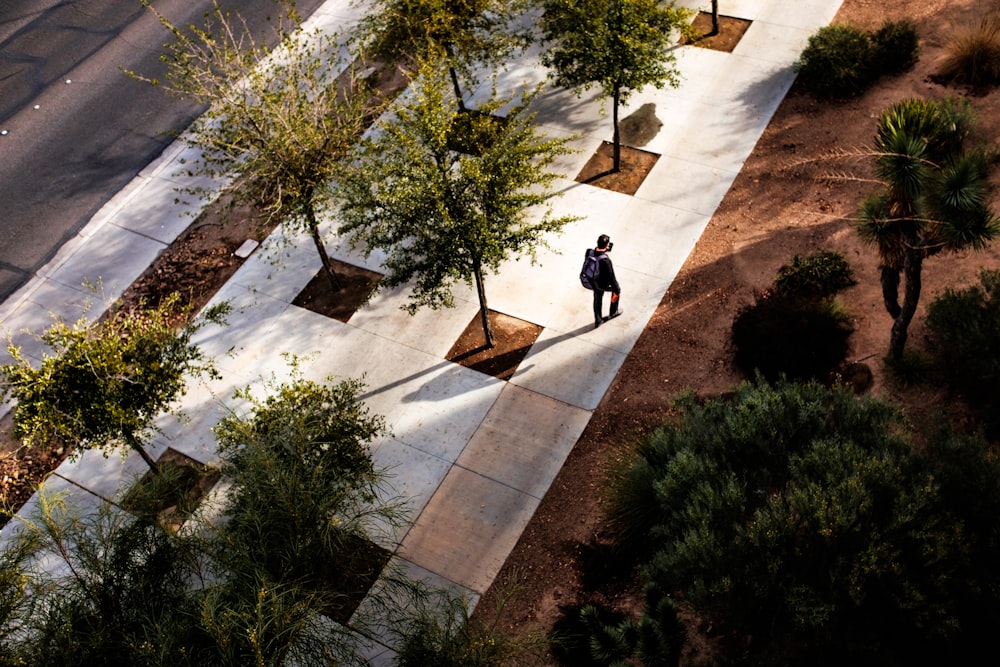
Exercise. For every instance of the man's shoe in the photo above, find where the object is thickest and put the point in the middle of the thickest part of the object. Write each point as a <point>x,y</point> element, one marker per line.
<point>612,316</point>
<point>597,323</point>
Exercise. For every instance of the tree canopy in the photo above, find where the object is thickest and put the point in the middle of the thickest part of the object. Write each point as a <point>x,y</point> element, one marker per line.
<point>619,45</point>
<point>107,381</point>
<point>934,199</point>
<point>279,119</point>
<point>450,194</point>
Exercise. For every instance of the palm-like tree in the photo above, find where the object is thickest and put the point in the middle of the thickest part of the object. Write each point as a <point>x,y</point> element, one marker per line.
<point>934,199</point>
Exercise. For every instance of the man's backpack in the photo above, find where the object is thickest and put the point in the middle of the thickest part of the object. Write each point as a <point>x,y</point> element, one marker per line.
<point>591,271</point>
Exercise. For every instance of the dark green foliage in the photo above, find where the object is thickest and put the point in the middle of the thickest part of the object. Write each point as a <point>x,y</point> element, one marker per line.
<point>964,327</point>
<point>820,275</point>
<point>442,633</point>
<point>842,60</point>
<point>594,636</point>
<point>800,516</point>
<point>836,62</point>
<point>796,328</point>
<point>798,338</point>
<point>895,47</point>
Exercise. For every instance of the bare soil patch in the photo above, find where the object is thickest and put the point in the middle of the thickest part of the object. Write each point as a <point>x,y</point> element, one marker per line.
<point>635,166</point>
<point>174,492</point>
<point>731,31</point>
<point>355,286</point>
<point>513,339</point>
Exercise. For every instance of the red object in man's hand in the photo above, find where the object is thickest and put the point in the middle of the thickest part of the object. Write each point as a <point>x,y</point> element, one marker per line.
<point>614,297</point>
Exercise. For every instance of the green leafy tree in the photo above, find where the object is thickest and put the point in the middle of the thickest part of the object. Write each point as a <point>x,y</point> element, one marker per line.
<point>935,199</point>
<point>450,194</point>
<point>106,382</point>
<point>801,517</point>
<point>278,119</point>
<point>620,45</point>
<point>462,32</point>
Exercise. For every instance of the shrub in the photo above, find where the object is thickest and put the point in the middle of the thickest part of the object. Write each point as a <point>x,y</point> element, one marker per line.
<point>836,62</point>
<point>796,329</point>
<point>819,275</point>
<point>964,328</point>
<point>802,517</point>
<point>895,47</point>
<point>972,56</point>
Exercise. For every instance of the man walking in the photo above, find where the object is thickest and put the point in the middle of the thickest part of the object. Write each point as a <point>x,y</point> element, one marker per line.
<point>606,281</point>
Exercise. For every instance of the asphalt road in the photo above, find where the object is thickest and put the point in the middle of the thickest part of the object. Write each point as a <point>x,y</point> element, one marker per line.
<point>74,129</point>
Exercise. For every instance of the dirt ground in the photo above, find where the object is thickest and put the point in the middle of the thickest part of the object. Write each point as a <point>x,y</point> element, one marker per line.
<point>783,203</point>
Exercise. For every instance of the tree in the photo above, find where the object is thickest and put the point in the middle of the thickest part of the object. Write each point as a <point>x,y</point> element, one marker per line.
<point>621,45</point>
<point>803,517</point>
<point>934,199</point>
<point>279,119</point>
<point>444,215</point>
<point>463,32</point>
<point>715,18</point>
<point>107,381</point>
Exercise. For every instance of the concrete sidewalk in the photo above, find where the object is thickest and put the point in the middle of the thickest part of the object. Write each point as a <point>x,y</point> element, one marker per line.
<point>475,454</point>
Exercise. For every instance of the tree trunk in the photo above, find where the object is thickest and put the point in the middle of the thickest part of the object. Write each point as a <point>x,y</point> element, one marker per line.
<point>890,290</point>
<point>912,267</point>
<point>715,18</point>
<point>331,275</point>
<point>484,310</point>
<point>135,444</point>
<point>616,164</point>
<point>454,77</point>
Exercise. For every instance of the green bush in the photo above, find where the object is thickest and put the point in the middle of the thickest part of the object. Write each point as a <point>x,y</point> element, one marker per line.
<point>802,517</point>
<point>972,55</point>
<point>842,61</point>
<point>820,275</point>
<point>895,48</point>
<point>836,62</point>
<point>798,338</point>
<point>796,329</point>
<point>964,329</point>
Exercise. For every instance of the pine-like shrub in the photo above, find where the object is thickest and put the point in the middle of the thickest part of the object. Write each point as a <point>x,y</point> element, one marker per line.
<point>801,521</point>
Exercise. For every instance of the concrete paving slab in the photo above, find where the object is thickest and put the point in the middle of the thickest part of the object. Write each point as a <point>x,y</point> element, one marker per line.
<point>524,440</point>
<point>114,258</point>
<point>570,368</point>
<point>411,474</point>
<point>769,41</point>
<point>430,331</point>
<point>686,185</point>
<point>468,529</point>
<point>657,241</point>
<point>144,213</point>
<point>808,14</point>
<point>107,476</point>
